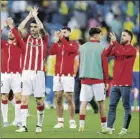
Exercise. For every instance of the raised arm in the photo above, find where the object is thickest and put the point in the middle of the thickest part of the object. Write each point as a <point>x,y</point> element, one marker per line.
<point>3,25</point>
<point>119,49</point>
<point>124,52</point>
<point>53,49</point>
<point>109,51</point>
<point>18,38</point>
<point>39,23</point>
<point>68,48</point>
<point>25,21</point>
<point>35,13</point>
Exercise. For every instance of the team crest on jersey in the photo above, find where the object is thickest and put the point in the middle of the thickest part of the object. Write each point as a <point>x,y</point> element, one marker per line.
<point>32,45</point>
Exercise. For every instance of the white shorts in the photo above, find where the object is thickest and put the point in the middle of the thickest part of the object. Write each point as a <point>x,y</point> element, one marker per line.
<point>88,91</point>
<point>33,83</point>
<point>63,83</point>
<point>10,81</point>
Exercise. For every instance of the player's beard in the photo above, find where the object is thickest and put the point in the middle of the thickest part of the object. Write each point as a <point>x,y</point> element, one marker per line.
<point>11,38</point>
<point>67,38</point>
<point>34,35</point>
<point>124,42</point>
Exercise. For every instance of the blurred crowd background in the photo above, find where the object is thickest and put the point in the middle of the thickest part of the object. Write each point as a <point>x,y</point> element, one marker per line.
<point>79,16</point>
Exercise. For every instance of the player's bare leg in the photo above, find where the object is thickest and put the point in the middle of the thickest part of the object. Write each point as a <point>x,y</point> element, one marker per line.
<point>71,108</point>
<point>24,113</point>
<point>40,114</point>
<point>11,97</point>
<point>102,110</point>
<point>102,113</point>
<point>59,109</point>
<point>4,108</point>
<point>82,115</point>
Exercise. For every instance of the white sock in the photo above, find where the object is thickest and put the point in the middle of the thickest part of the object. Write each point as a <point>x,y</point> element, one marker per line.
<point>18,112</point>
<point>104,124</point>
<point>40,116</point>
<point>60,120</point>
<point>82,123</point>
<point>72,121</point>
<point>24,113</point>
<point>4,109</point>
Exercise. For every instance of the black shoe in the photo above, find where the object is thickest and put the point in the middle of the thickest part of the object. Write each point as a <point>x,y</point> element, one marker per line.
<point>52,107</point>
<point>38,129</point>
<point>77,111</point>
<point>22,129</point>
<point>95,111</point>
<point>26,130</point>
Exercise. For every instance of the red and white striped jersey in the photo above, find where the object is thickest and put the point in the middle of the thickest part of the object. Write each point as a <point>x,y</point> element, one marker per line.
<point>35,53</point>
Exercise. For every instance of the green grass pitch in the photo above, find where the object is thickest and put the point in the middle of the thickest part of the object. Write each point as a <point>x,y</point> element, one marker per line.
<point>91,128</point>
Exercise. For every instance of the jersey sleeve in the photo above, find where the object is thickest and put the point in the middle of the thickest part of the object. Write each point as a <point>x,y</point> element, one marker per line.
<point>26,37</point>
<point>53,49</point>
<point>124,52</point>
<point>46,41</point>
<point>3,42</point>
<point>19,40</point>
<point>67,46</point>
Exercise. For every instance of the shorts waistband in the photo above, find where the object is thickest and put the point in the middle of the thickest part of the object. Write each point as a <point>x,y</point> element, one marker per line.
<point>121,85</point>
<point>63,75</point>
<point>11,73</point>
<point>33,71</point>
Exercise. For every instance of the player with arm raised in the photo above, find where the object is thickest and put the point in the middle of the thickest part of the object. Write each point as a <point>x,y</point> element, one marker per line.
<point>63,82</point>
<point>33,76</point>
<point>124,55</point>
<point>11,69</point>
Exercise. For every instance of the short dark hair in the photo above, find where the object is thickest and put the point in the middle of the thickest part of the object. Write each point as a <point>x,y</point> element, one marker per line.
<point>94,30</point>
<point>33,21</point>
<point>81,41</point>
<point>67,28</point>
<point>129,33</point>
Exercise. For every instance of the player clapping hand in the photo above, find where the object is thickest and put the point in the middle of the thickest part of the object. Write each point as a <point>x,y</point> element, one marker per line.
<point>112,36</point>
<point>10,22</point>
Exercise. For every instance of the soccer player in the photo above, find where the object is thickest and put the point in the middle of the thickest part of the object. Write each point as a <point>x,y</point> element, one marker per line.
<point>135,93</point>
<point>33,76</point>
<point>94,76</point>
<point>124,55</point>
<point>77,88</point>
<point>63,81</point>
<point>11,71</point>
<point>11,98</point>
